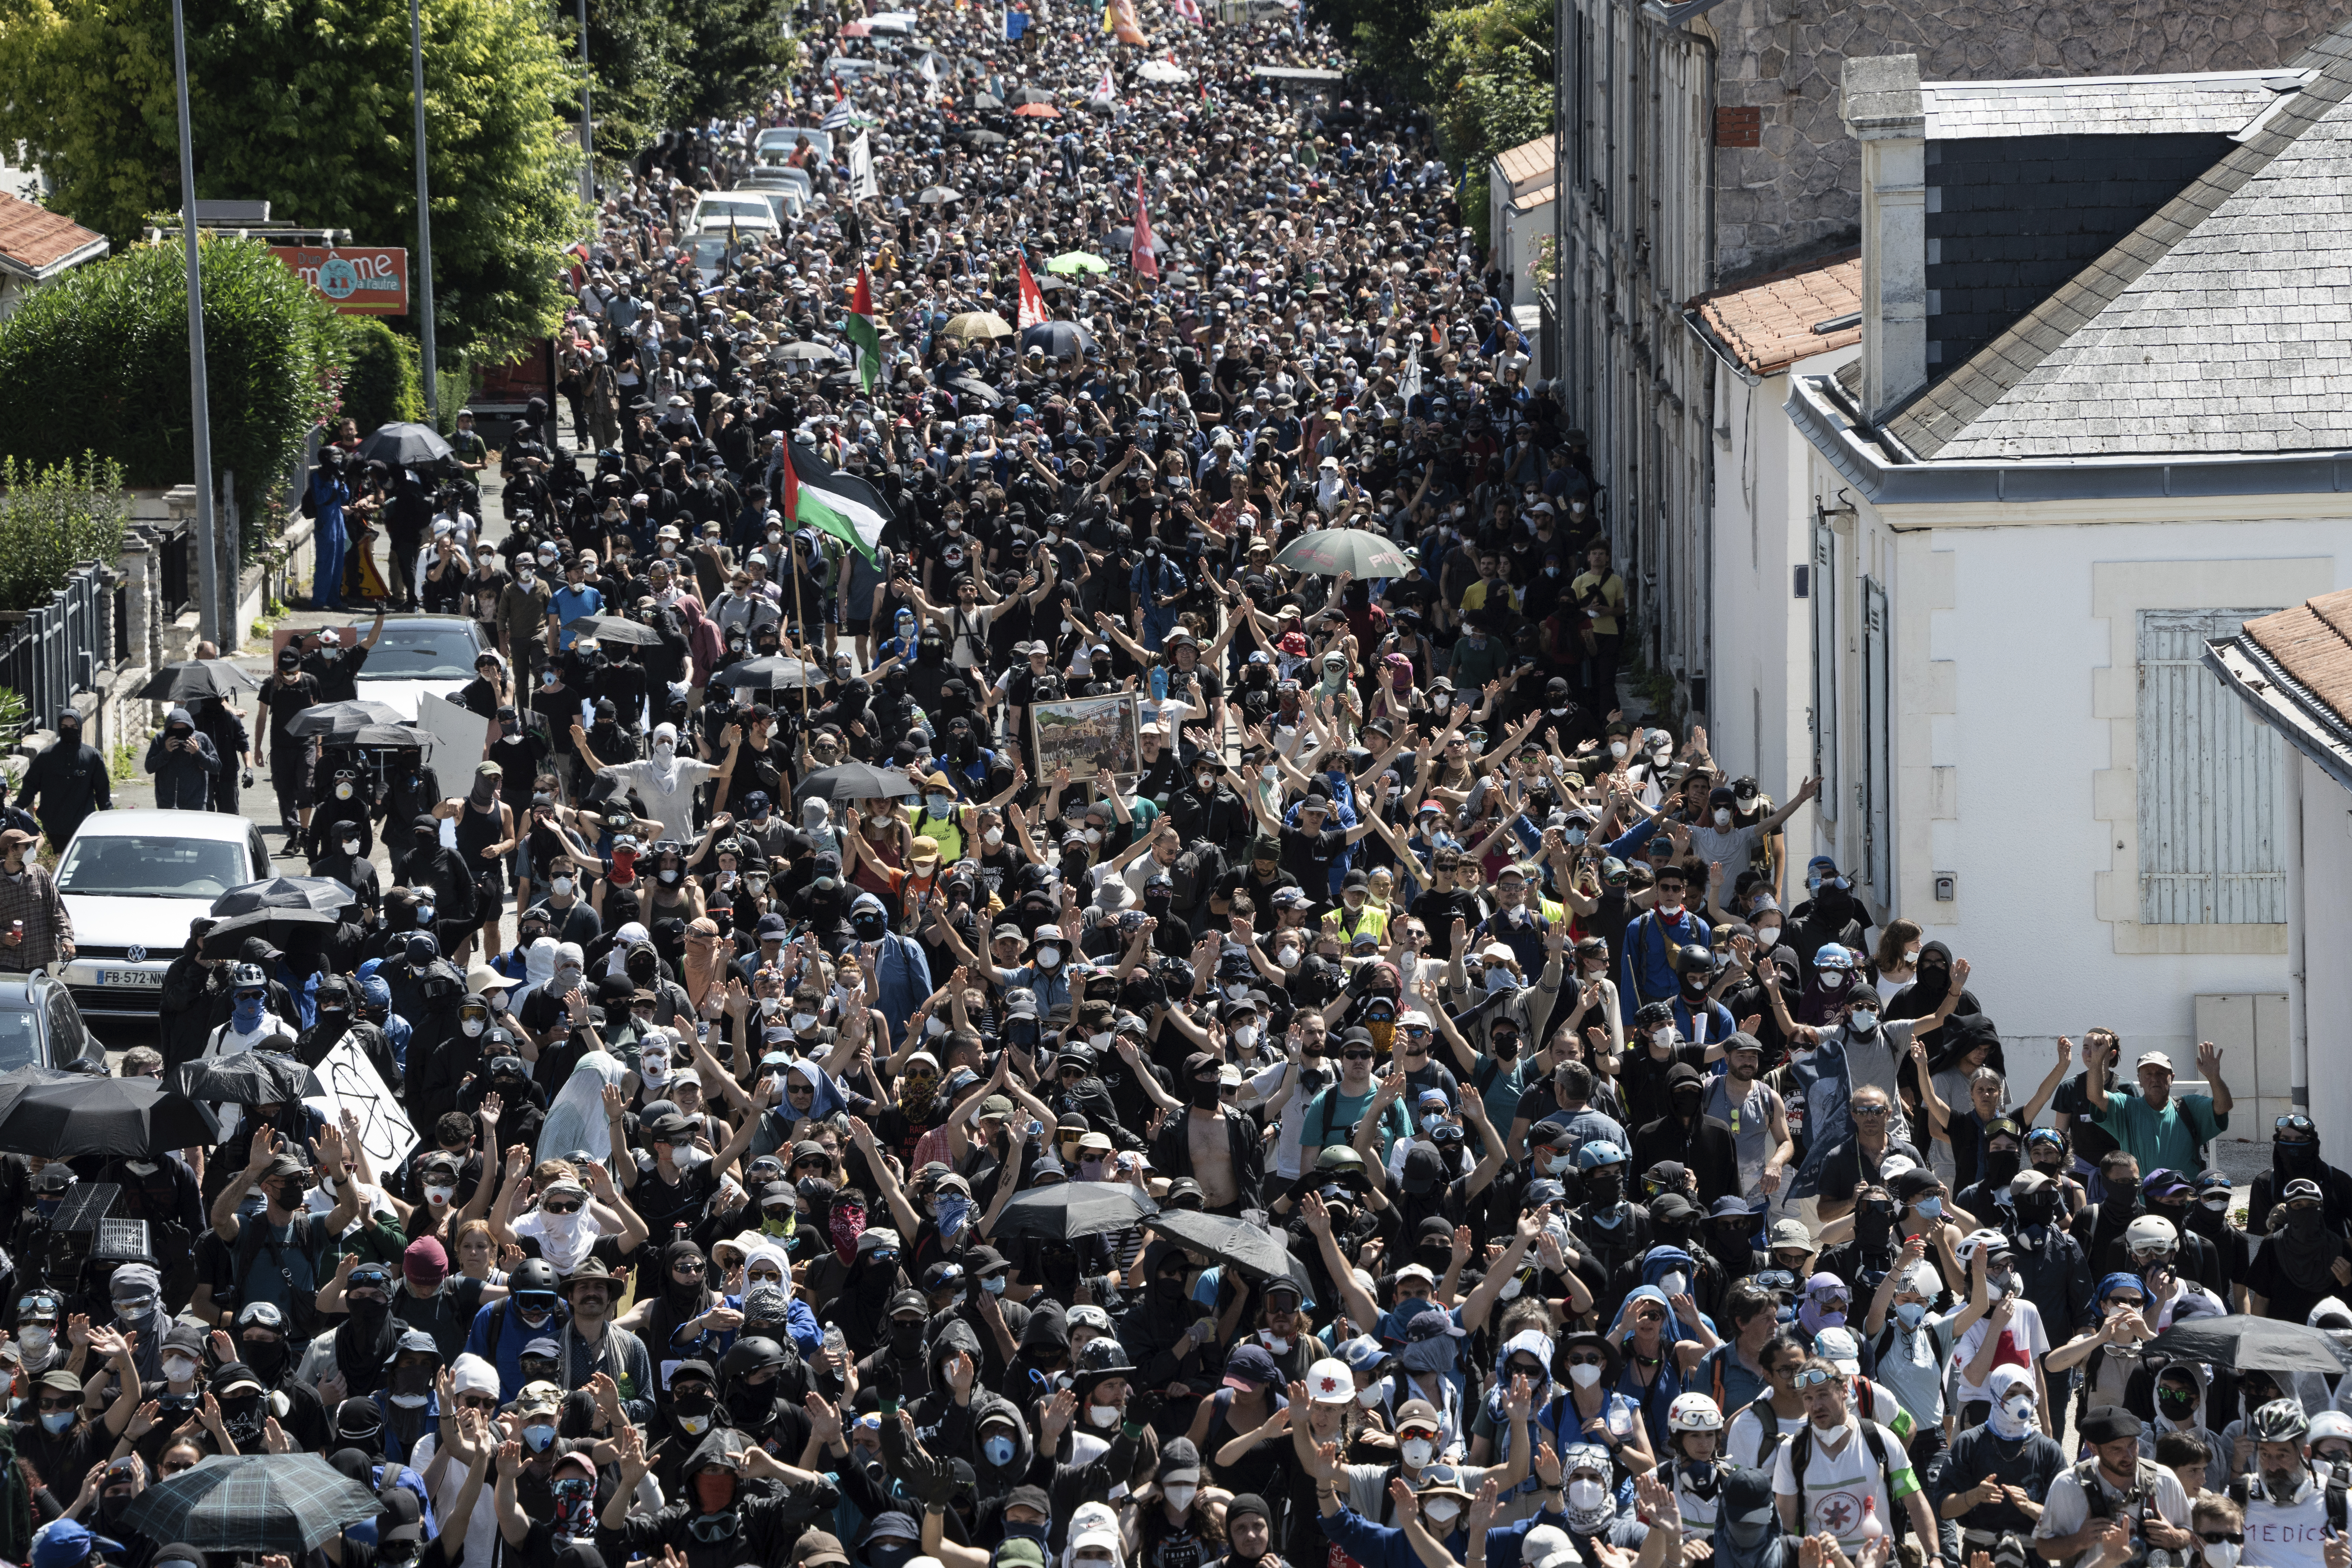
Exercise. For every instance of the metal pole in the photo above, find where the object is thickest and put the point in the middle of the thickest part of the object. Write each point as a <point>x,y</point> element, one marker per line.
<point>208,531</point>
<point>587,119</point>
<point>423,212</point>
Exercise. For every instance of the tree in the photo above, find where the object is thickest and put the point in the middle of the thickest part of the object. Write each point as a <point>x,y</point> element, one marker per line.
<point>307,104</point>
<point>50,518</point>
<point>1489,74</point>
<point>98,359</point>
<point>735,49</point>
<point>633,49</point>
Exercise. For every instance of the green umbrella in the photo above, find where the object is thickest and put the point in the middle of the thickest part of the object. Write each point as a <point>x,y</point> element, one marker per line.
<point>1078,261</point>
<point>1328,551</point>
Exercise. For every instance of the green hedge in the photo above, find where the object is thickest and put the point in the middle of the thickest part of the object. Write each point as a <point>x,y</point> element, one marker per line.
<point>98,361</point>
<point>51,517</point>
<point>386,380</point>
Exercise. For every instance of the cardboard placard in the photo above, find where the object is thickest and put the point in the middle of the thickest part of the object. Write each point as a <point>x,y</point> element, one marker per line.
<point>349,1081</point>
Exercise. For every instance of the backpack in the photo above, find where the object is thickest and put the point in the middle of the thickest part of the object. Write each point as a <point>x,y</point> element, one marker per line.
<point>311,501</point>
<point>2095,1494</point>
<point>1801,1454</point>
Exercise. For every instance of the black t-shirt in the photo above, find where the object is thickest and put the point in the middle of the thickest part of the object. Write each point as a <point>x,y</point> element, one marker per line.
<point>1642,1080</point>
<point>2284,1298</point>
<point>1437,912</point>
<point>284,699</point>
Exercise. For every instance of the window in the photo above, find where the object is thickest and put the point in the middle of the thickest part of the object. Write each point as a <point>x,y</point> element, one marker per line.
<point>2209,783</point>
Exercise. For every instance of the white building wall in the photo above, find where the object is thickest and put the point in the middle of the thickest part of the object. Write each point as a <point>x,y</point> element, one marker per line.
<point>1761,530</point>
<point>2327,936</point>
<point>2015,758</point>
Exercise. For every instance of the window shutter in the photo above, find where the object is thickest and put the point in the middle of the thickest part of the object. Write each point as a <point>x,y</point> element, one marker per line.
<point>2209,783</point>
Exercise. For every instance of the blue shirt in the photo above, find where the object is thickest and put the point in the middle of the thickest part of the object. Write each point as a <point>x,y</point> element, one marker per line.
<point>513,1334</point>
<point>568,604</point>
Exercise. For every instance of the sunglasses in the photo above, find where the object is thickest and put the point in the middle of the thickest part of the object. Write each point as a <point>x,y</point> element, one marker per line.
<point>1874,1112</point>
<point>1587,1360</point>
<point>66,1403</point>
<point>478,1402</point>
<point>2217,1537</point>
<point>369,1280</point>
<point>1355,1056</point>
<point>763,1277</point>
<point>550,1208</point>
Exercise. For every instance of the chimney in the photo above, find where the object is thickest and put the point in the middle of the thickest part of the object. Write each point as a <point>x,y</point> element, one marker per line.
<point>1883,109</point>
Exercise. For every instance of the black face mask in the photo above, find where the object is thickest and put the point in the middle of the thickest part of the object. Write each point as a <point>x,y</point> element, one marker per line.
<point>1506,1047</point>
<point>2000,1165</point>
<point>906,1339</point>
<point>2175,1403</point>
<point>870,926</point>
<point>1604,1187</point>
<point>2040,1208</point>
<point>1203,1096</point>
<point>1872,1223</point>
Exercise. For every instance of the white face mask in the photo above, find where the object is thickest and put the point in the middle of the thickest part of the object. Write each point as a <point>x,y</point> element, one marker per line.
<point>1417,1451</point>
<point>1617,748</point>
<point>2221,1554</point>
<point>1663,1035</point>
<point>1674,1283</point>
<point>1584,1374</point>
<point>1244,1035</point>
<point>1287,955</point>
<point>1440,1511</point>
<point>179,1368</point>
<point>560,885</point>
<point>993,837</point>
<point>438,1195</point>
<point>1766,936</point>
<point>1103,1416</point>
<point>1369,1396</point>
<point>1179,1497</point>
<point>1585,1494</point>
<point>1723,816</point>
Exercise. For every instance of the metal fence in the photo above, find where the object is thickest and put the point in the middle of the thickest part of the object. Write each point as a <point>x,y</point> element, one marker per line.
<point>56,650</point>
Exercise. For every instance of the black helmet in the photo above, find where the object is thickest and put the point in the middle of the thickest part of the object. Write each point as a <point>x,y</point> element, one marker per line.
<point>532,1274</point>
<point>748,1355</point>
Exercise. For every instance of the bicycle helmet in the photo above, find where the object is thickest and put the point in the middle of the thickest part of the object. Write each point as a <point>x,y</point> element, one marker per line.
<point>1987,1241</point>
<point>2151,1235</point>
<point>247,977</point>
<point>2281,1421</point>
<point>1693,1413</point>
<point>1831,956</point>
<point>1598,1152</point>
<point>533,1274</point>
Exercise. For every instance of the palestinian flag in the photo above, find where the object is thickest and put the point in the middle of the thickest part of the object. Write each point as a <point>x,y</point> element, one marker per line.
<point>839,504</point>
<point>861,330</point>
<point>1033,313</point>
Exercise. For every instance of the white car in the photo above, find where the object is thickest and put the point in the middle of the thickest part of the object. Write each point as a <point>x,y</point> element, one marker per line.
<point>726,212</point>
<point>418,654</point>
<point>776,144</point>
<point>133,880</point>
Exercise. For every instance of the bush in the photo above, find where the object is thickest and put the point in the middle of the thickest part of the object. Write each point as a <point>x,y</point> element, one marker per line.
<point>386,379</point>
<point>52,518</point>
<point>98,359</point>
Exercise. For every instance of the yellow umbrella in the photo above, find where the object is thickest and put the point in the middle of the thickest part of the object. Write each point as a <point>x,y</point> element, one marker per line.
<point>978,324</point>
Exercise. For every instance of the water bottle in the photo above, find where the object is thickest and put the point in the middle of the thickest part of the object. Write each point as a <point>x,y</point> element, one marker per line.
<point>1620,1420</point>
<point>1873,1527</point>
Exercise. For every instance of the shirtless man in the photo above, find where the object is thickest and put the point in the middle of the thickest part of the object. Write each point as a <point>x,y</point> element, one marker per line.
<point>1211,1143</point>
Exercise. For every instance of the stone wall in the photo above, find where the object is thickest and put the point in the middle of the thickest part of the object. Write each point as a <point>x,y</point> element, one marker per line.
<point>1797,193</point>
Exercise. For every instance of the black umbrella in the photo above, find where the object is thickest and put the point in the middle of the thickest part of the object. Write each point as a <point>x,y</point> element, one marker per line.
<point>1071,1209</point>
<point>1061,340</point>
<point>77,1113</point>
<point>980,138</point>
<point>322,893</point>
<point>854,781</point>
<point>814,354</point>
<point>1029,95</point>
<point>282,928</point>
<point>337,720</point>
<point>985,100</point>
<point>404,445</point>
<point>1252,1248</point>
<point>1122,241</point>
<point>615,628</point>
<point>248,1078</point>
<point>195,678</point>
<point>2247,1344</point>
<point>774,670</point>
<point>398,736</point>
<point>287,1503</point>
<point>977,390</point>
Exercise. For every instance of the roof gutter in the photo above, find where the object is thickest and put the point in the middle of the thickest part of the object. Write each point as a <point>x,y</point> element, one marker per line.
<point>2283,703</point>
<point>1822,418</point>
<point>1715,346</point>
<point>65,263</point>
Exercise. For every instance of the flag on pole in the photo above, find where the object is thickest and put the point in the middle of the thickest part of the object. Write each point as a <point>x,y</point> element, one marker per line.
<point>863,185</point>
<point>840,117</point>
<point>1138,255</point>
<point>861,329</point>
<point>1410,383</point>
<point>1032,299</point>
<point>1015,23</point>
<point>842,505</point>
<point>931,69</point>
<point>1107,88</point>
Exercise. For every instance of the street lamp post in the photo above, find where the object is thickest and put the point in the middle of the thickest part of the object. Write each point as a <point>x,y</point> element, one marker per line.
<point>424,211</point>
<point>207,527</point>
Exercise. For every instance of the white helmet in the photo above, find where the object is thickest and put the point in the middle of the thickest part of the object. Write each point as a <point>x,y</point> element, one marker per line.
<point>1693,1413</point>
<point>1978,1241</point>
<point>2150,1236</point>
<point>1330,1382</point>
<point>2329,1423</point>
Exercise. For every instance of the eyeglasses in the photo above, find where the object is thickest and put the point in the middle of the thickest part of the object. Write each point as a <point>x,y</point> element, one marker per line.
<point>1873,1111</point>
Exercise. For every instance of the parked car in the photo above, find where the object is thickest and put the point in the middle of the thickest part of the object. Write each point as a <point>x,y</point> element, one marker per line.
<point>782,201</point>
<point>418,654</point>
<point>133,880</point>
<point>40,1025</point>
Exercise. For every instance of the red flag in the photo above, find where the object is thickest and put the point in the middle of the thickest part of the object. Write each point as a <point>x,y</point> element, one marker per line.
<point>1032,299</point>
<point>1138,255</point>
<point>861,303</point>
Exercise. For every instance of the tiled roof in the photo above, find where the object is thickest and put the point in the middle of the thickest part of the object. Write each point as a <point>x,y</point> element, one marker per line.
<point>1767,323</point>
<point>2217,327</point>
<point>2312,643</point>
<point>35,241</point>
<point>2205,101</point>
<point>1534,199</point>
<point>1528,161</point>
